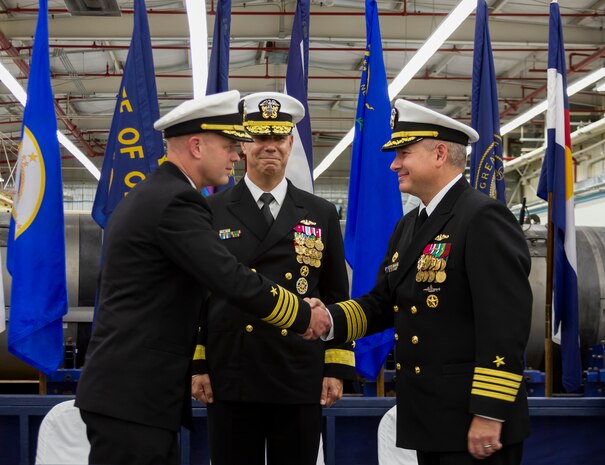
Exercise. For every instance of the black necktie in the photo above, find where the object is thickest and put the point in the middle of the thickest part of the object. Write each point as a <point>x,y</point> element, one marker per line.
<point>266,199</point>
<point>420,220</point>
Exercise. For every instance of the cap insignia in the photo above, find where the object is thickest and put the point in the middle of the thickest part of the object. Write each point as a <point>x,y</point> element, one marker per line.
<point>393,117</point>
<point>269,108</point>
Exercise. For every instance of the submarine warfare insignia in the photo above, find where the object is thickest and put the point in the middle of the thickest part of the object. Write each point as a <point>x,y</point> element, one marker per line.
<point>308,246</point>
<point>431,264</point>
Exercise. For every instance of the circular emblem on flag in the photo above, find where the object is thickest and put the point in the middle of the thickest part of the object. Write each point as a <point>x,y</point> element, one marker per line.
<point>31,179</point>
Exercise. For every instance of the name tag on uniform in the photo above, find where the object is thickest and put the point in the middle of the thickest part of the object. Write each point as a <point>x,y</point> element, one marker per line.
<point>224,234</point>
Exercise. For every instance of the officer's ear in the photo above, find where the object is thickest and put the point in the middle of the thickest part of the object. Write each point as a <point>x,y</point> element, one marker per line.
<point>242,153</point>
<point>441,151</point>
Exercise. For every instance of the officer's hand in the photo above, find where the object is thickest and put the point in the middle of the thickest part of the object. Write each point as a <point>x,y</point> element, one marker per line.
<point>331,391</point>
<point>320,322</point>
<point>201,389</point>
<point>484,437</point>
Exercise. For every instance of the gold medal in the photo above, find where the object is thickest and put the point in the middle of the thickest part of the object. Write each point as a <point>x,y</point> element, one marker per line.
<point>431,277</point>
<point>317,263</point>
<point>443,263</point>
<point>310,242</point>
<point>304,270</point>
<point>440,276</point>
<point>419,277</point>
<point>299,259</point>
<point>425,276</point>
<point>306,260</point>
<point>319,245</point>
<point>302,286</point>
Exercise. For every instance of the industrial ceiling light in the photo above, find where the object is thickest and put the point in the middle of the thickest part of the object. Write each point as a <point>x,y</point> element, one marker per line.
<point>93,7</point>
<point>11,84</point>
<point>426,51</point>
<point>572,89</point>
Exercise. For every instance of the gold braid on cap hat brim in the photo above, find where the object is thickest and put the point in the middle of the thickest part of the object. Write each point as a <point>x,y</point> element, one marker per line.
<point>403,137</point>
<point>266,127</point>
<point>236,130</point>
<point>221,127</point>
<point>414,134</point>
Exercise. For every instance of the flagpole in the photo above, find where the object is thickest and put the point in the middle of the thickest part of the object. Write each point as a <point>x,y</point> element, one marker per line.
<point>380,383</point>
<point>548,305</point>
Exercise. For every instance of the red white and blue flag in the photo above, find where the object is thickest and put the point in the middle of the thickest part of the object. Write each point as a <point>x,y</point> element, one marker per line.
<point>300,163</point>
<point>557,178</point>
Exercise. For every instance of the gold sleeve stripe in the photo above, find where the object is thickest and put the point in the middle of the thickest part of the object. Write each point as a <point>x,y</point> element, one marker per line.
<point>345,311</point>
<point>344,357</point>
<point>352,328</point>
<point>275,313</point>
<point>356,319</point>
<point>495,395</point>
<point>294,312</point>
<point>498,373</point>
<point>200,352</point>
<point>491,379</point>
<point>284,314</point>
<point>352,319</point>
<point>493,387</point>
<point>285,311</point>
<point>362,316</point>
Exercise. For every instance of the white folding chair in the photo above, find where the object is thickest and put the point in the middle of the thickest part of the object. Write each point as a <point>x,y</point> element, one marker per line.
<point>62,437</point>
<point>388,452</point>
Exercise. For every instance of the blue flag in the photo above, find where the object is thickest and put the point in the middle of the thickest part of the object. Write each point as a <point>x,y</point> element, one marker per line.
<point>218,69</point>
<point>133,147</point>
<point>36,241</point>
<point>300,163</point>
<point>556,178</point>
<point>487,169</point>
<point>374,198</point>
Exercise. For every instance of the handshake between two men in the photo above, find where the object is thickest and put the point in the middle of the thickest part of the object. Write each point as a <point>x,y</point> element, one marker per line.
<point>321,320</point>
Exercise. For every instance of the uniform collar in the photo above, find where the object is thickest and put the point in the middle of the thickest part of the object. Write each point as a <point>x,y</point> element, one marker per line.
<point>430,208</point>
<point>278,192</point>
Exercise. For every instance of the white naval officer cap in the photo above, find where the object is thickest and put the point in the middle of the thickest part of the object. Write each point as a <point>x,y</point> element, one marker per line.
<point>411,123</point>
<point>271,113</point>
<point>215,113</point>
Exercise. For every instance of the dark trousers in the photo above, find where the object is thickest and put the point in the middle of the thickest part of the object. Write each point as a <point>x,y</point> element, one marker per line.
<point>238,431</point>
<point>508,455</point>
<point>119,442</point>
